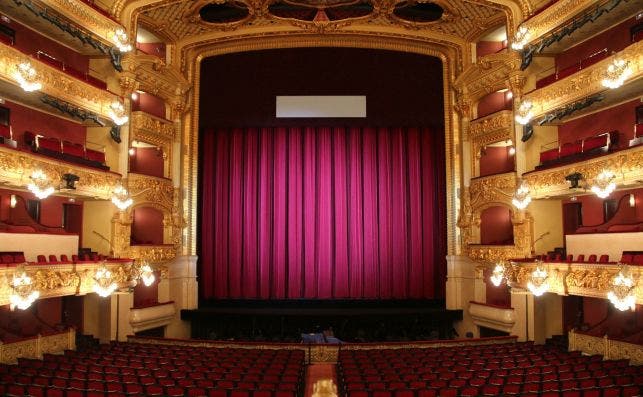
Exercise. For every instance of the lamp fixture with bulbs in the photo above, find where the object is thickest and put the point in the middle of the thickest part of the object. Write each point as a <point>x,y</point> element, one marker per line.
<point>121,198</point>
<point>622,291</point>
<point>498,274</point>
<point>538,282</point>
<point>117,113</point>
<point>122,40</point>
<point>604,184</point>
<point>147,274</point>
<point>27,77</point>
<point>520,38</point>
<point>617,72</point>
<point>524,113</point>
<point>40,185</point>
<point>23,292</point>
<point>521,197</point>
<point>104,284</point>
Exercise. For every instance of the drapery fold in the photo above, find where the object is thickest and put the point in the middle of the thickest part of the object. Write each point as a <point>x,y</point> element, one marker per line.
<point>322,213</point>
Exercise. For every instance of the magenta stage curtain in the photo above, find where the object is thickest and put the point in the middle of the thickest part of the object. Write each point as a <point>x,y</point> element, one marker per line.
<point>322,213</point>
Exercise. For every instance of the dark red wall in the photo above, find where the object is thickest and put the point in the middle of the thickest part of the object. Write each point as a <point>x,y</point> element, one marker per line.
<point>147,161</point>
<point>592,206</point>
<point>51,208</point>
<point>402,89</point>
<point>621,118</point>
<point>499,296</point>
<point>496,160</point>
<point>157,49</point>
<point>146,296</point>
<point>614,39</point>
<point>495,226</point>
<point>494,102</point>
<point>30,42</point>
<point>147,226</point>
<point>488,47</point>
<point>27,119</point>
<point>150,104</point>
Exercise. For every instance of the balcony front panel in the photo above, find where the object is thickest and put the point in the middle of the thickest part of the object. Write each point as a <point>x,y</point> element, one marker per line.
<point>587,82</point>
<point>496,127</point>
<point>554,16</point>
<point>55,83</point>
<point>627,166</point>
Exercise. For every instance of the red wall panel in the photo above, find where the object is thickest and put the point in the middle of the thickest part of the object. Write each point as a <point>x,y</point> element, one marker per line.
<point>157,49</point>
<point>27,119</point>
<point>496,160</point>
<point>51,208</point>
<point>592,206</point>
<point>30,42</point>
<point>494,102</point>
<point>150,104</point>
<point>146,296</point>
<point>495,226</point>
<point>621,118</point>
<point>147,161</point>
<point>147,226</point>
<point>488,47</point>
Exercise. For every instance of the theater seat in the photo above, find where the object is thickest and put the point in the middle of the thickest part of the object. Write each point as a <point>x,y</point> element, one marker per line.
<point>591,259</point>
<point>604,259</point>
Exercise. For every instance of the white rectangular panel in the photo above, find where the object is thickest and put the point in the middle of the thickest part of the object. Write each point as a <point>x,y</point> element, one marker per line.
<point>314,106</point>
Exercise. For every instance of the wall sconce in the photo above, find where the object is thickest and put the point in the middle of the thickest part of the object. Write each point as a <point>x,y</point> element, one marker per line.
<point>40,185</point>
<point>131,151</point>
<point>121,40</point>
<point>622,292</point>
<point>117,113</point>
<point>121,198</point>
<point>498,274</point>
<point>521,198</point>
<point>632,200</point>
<point>23,293</point>
<point>147,274</point>
<point>520,38</point>
<point>27,77</point>
<point>538,283</point>
<point>512,150</point>
<point>617,72</point>
<point>524,113</point>
<point>604,184</point>
<point>13,201</point>
<point>104,284</point>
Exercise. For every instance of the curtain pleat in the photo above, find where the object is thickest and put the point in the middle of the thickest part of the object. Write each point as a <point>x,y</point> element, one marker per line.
<point>322,213</point>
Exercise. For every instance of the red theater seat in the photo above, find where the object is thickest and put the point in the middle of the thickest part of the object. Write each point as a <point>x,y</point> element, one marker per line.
<point>581,258</point>
<point>94,155</point>
<point>591,259</point>
<point>570,149</point>
<point>51,144</point>
<point>549,155</point>
<point>73,149</point>
<point>595,142</point>
<point>604,259</point>
<point>41,259</point>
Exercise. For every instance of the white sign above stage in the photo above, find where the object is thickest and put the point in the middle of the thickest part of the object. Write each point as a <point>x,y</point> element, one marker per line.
<point>321,106</point>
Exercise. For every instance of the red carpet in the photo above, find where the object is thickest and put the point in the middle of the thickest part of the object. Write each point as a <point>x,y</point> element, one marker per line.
<point>320,372</point>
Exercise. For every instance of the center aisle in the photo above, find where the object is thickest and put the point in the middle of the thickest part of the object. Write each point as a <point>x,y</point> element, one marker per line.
<point>321,380</point>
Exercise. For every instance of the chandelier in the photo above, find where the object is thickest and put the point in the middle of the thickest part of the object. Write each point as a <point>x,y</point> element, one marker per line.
<point>23,293</point>
<point>604,184</point>
<point>622,293</point>
<point>27,77</point>
<point>147,274</point>
<point>617,72</point>
<point>524,113</point>
<point>498,274</point>
<point>40,185</point>
<point>121,198</point>
<point>121,40</point>
<point>104,284</point>
<point>521,198</point>
<point>538,283</point>
<point>117,113</point>
<point>520,38</point>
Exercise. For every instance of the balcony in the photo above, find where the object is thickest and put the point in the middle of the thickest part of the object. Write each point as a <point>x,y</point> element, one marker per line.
<point>79,18</point>
<point>550,182</point>
<point>587,82</point>
<point>55,83</point>
<point>155,131</point>
<point>17,165</point>
<point>491,316</point>
<point>159,315</point>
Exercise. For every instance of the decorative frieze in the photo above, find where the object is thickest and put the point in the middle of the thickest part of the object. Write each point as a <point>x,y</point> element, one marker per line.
<point>16,167</point>
<point>496,127</point>
<point>627,166</point>
<point>37,346</point>
<point>610,349</point>
<point>58,84</point>
<point>554,16</point>
<point>156,131</point>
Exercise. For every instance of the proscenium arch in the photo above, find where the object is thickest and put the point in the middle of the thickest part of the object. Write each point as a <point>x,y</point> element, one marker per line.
<point>192,58</point>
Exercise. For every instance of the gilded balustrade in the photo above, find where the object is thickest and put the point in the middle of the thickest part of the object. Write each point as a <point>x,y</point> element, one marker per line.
<point>554,16</point>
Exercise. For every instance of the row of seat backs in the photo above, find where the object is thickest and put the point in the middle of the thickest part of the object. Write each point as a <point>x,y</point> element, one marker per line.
<point>63,147</point>
<point>605,140</point>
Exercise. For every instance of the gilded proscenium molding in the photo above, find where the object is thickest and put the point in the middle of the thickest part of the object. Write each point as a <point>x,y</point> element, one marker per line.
<point>66,279</point>
<point>485,192</point>
<point>86,16</point>
<point>627,166</point>
<point>583,83</point>
<point>488,74</point>
<point>580,279</point>
<point>496,127</point>
<point>147,128</point>
<point>555,15</point>
<point>151,74</point>
<point>16,168</point>
<point>57,83</point>
<point>610,349</point>
<point>157,193</point>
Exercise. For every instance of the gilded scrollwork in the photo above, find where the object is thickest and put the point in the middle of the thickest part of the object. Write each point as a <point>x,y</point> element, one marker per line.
<point>490,73</point>
<point>554,16</point>
<point>86,16</point>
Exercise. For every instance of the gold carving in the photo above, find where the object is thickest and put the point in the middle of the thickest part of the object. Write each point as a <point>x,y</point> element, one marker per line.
<point>610,349</point>
<point>583,83</point>
<point>155,131</point>
<point>489,74</point>
<point>496,127</point>
<point>552,17</point>
<point>59,84</point>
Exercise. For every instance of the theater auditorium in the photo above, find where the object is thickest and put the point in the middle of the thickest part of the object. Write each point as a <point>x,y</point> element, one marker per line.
<point>321,198</point>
